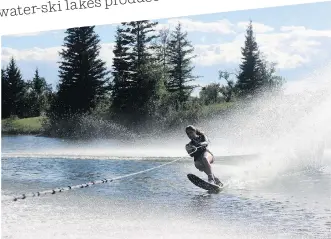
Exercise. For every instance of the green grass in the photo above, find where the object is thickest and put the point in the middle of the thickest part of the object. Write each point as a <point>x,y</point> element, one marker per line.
<point>22,126</point>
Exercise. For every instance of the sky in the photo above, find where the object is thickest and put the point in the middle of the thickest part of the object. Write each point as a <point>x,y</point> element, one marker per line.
<point>297,38</point>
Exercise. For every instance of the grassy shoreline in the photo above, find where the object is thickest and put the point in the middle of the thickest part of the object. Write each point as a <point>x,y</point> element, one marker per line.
<point>26,126</point>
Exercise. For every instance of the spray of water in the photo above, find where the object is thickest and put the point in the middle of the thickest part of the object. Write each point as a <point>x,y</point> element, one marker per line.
<point>291,131</point>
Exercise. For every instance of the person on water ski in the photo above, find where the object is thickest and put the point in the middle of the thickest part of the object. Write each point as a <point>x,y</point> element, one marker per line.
<point>197,148</point>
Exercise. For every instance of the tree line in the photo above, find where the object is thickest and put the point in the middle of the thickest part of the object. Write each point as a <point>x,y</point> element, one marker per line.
<point>151,77</point>
<point>23,98</point>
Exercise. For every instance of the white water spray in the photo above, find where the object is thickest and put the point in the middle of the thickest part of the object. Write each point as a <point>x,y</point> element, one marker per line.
<point>292,133</point>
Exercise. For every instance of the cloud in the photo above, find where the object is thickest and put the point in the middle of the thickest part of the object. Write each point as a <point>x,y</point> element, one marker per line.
<point>106,53</point>
<point>290,47</point>
<point>257,27</point>
<point>301,31</point>
<point>217,53</point>
<point>25,34</point>
<point>294,45</point>
<point>291,28</point>
<point>287,50</point>
<point>222,26</point>
<point>50,55</point>
<point>287,53</point>
<point>32,54</point>
<point>33,34</point>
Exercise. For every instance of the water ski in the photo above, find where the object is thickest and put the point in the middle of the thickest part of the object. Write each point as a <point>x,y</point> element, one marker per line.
<point>203,184</point>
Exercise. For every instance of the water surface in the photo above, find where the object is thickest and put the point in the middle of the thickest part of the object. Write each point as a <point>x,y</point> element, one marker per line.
<point>262,199</point>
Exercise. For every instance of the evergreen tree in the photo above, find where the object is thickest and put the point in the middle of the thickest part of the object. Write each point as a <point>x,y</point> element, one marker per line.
<point>249,80</point>
<point>180,73</point>
<point>122,85</point>
<point>83,76</point>
<point>39,84</point>
<point>38,95</point>
<point>13,90</point>
<point>161,52</point>
<point>5,110</point>
<point>138,83</point>
<point>160,69</point>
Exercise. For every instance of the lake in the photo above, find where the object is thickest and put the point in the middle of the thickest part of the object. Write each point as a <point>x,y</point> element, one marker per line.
<point>263,198</point>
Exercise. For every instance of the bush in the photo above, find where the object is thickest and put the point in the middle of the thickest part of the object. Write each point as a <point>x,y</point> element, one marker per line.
<point>87,126</point>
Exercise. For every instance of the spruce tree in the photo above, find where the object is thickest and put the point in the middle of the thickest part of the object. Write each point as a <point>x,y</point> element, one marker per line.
<point>180,73</point>
<point>139,83</point>
<point>121,85</point>
<point>5,111</point>
<point>14,90</point>
<point>83,76</point>
<point>161,51</point>
<point>160,71</point>
<point>38,95</point>
<point>39,84</point>
<point>249,80</point>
